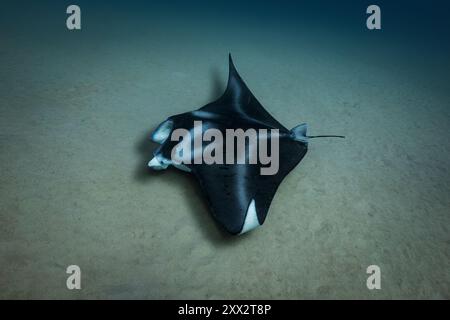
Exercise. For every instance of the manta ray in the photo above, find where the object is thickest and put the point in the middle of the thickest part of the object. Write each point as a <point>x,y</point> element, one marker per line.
<point>238,195</point>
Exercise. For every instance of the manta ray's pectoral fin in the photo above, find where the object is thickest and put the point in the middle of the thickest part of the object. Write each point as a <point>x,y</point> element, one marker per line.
<point>251,219</point>
<point>238,195</point>
<point>237,91</point>
<point>237,100</point>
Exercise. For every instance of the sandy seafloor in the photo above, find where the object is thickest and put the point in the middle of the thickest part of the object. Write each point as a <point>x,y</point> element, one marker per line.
<point>76,110</point>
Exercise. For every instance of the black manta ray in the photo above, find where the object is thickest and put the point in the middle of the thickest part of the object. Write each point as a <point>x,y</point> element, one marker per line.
<point>238,195</point>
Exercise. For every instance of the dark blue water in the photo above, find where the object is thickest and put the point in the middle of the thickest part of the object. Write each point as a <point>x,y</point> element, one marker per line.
<point>420,22</point>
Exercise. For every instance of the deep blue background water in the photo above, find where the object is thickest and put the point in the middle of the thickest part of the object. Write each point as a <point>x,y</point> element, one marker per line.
<point>422,23</point>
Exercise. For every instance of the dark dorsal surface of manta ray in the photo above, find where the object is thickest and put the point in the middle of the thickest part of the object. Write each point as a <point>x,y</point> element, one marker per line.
<point>238,195</point>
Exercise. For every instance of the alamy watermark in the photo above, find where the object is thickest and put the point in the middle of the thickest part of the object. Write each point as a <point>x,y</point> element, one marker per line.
<point>73,282</point>
<point>238,146</point>
<point>374,280</point>
<point>73,21</point>
<point>373,22</point>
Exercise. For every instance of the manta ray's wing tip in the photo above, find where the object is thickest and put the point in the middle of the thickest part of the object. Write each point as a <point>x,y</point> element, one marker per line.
<point>251,219</point>
<point>232,68</point>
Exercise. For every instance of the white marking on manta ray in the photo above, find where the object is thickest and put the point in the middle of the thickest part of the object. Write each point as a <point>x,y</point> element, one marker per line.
<point>251,219</point>
<point>162,132</point>
<point>155,164</point>
<point>160,163</point>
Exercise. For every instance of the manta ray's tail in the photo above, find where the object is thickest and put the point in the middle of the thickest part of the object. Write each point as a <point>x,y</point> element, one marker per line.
<point>327,136</point>
<point>299,134</point>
